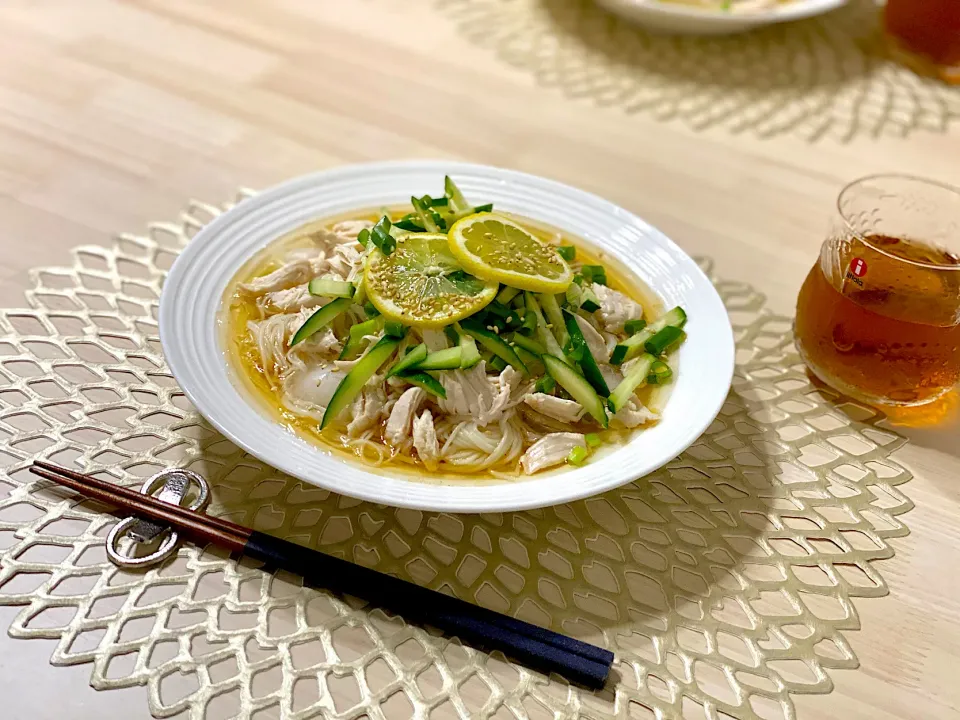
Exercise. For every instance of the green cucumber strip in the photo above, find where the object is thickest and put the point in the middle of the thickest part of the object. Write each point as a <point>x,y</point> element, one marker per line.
<point>495,344</point>
<point>414,355</point>
<point>530,360</point>
<point>546,384</point>
<point>448,359</point>
<point>574,296</point>
<point>359,290</point>
<point>353,383</point>
<point>357,333</point>
<point>528,344</point>
<point>543,333</point>
<point>427,382</point>
<point>451,333</point>
<point>664,340</point>
<point>577,386</point>
<point>330,288</point>
<point>589,300</point>
<point>499,309</point>
<point>632,327</point>
<point>370,309</point>
<point>551,308</point>
<point>320,319</point>
<point>635,344</point>
<point>394,328</point>
<point>588,364</point>
<point>635,378</point>
<point>567,252</point>
<point>469,353</point>
<point>507,294</point>
<point>497,363</point>
<point>425,215</point>
<point>529,324</point>
<point>436,202</point>
<point>454,196</point>
<point>578,455</point>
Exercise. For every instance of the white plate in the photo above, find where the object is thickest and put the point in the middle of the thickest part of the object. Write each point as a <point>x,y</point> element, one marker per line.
<point>667,17</point>
<point>192,345</point>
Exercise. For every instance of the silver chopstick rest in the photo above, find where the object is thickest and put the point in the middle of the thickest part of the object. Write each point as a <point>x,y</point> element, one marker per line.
<point>130,541</point>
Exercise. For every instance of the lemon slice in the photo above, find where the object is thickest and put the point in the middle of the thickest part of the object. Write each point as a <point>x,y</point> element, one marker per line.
<point>495,248</point>
<point>421,283</point>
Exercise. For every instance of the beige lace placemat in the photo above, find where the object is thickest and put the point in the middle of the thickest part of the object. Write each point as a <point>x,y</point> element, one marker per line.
<point>829,76</point>
<point>722,582</point>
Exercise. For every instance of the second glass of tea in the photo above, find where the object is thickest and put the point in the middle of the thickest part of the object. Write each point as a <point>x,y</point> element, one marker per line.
<point>878,317</point>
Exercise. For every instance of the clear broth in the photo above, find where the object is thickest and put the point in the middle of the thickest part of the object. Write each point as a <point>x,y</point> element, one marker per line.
<point>244,359</point>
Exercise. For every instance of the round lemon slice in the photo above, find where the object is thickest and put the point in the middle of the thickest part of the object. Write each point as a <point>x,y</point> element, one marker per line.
<point>421,283</point>
<point>495,248</point>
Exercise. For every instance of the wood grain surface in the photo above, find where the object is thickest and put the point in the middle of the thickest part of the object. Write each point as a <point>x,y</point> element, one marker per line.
<point>113,113</point>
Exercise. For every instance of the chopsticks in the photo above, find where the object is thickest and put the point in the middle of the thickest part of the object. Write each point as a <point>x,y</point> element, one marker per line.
<point>535,646</point>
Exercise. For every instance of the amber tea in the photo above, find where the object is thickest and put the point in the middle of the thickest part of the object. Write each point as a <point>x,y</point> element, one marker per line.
<point>879,316</point>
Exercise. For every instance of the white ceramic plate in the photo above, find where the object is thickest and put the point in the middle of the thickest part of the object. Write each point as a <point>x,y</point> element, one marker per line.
<point>667,17</point>
<point>192,345</point>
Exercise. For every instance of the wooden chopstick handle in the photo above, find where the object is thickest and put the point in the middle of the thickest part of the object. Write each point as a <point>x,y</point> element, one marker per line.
<point>538,647</point>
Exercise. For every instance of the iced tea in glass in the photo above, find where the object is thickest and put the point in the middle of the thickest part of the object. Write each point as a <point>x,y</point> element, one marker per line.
<point>878,317</point>
<point>925,34</point>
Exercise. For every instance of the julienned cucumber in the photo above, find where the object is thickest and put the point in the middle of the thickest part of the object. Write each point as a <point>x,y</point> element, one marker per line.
<point>469,353</point>
<point>416,355</point>
<point>588,364</point>
<point>427,382</point>
<point>507,294</point>
<point>636,344</point>
<point>534,366</point>
<point>542,333</point>
<point>577,386</point>
<point>495,344</point>
<point>628,386</point>
<point>551,309</point>
<point>353,383</point>
<point>320,319</point>
<point>528,344</point>
<point>357,333</point>
<point>448,359</point>
<point>331,288</point>
<point>589,300</point>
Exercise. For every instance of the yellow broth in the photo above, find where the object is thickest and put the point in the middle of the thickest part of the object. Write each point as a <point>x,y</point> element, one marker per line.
<point>244,358</point>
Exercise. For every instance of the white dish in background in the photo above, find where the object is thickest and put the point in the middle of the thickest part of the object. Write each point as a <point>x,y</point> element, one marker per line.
<point>668,17</point>
<point>192,295</point>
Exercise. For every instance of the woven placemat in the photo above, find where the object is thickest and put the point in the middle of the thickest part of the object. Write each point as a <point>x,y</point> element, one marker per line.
<point>830,76</point>
<point>722,582</point>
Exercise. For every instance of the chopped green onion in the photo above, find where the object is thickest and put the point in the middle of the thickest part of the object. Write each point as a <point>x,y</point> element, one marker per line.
<point>370,309</point>
<point>381,237</point>
<point>408,222</point>
<point>578,455</point>
<point>567,252</point>
<point>592,439</point>
<point>483,208</point>
<point>363,237</point>
<point>664,339</point>
<point>594,273</point>
<point>497,363</point>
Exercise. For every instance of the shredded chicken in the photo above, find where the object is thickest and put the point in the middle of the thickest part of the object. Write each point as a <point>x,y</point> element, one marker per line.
<point>472,393</point>
<point>615,308</point>
<point>345,261</point>
<point>290,300</point>
<point>425,440</point>
<point>635,414</point>
<point>366,411</point>
<point>401,417</point>
<point>557,408</point>
<point>550,450</point>
<point>595,341</point>
<point>286,276</point>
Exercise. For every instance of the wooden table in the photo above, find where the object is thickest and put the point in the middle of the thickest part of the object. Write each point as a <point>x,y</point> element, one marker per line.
<point>113,113</point>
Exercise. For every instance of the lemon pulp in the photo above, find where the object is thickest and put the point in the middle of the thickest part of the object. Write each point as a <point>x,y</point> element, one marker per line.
<point>495,248</point>
<point>421,283</point>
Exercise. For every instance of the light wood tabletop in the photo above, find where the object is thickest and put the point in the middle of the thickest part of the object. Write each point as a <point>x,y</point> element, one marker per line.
<point>113,113</point>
